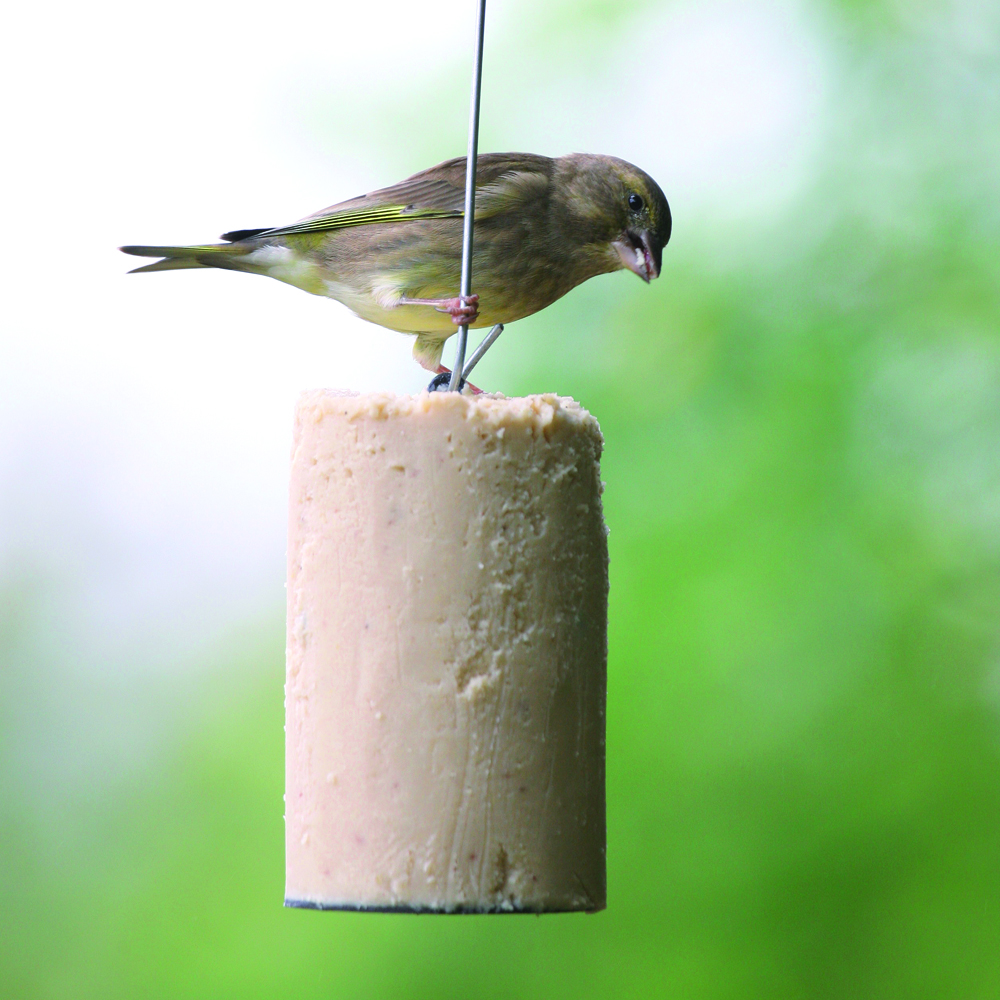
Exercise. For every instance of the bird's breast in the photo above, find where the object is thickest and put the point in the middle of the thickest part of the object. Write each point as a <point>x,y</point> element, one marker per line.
<point>517,270</point>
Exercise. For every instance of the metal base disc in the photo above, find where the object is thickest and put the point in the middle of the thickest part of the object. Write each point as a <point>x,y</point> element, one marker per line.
<point>303,904</point>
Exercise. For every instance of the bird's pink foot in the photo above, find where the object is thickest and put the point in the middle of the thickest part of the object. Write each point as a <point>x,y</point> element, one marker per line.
<point>463,311</point>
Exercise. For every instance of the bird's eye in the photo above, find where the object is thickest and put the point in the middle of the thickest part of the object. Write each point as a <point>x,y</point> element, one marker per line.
<point>635,202</point>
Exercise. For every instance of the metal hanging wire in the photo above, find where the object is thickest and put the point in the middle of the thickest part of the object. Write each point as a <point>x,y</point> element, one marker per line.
<point>457,373</point>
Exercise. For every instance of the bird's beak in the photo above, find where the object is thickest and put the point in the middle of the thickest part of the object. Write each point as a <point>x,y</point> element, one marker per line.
<point>639,253</point>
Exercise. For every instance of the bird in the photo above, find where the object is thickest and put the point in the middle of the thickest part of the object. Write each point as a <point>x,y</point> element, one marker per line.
<point>542,226</point>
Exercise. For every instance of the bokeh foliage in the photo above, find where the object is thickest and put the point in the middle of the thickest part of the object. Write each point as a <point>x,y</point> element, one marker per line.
<point>803,469</point>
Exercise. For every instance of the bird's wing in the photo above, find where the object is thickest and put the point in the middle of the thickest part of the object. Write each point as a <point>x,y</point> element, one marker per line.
<point>503,181</point>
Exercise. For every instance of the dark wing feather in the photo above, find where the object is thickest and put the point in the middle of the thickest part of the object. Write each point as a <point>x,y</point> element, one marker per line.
<point>502,179</point>
<point>238,235</point>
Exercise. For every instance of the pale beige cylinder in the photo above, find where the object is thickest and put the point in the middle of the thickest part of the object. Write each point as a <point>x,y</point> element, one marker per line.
<point>447,655</point>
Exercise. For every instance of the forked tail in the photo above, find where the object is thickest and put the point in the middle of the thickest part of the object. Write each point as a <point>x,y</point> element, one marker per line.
<point>230,255</point>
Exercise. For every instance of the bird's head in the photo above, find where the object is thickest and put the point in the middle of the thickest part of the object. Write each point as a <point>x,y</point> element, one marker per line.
<point>626,209</point>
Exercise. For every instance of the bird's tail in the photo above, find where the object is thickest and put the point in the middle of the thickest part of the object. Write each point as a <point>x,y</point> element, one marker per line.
<point>230,255</point>
<point>169,264</point>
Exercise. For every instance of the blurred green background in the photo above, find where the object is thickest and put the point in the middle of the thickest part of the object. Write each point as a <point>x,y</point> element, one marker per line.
<point>802,422</point>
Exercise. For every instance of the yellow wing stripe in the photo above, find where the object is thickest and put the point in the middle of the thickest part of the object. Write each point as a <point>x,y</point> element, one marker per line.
<point>369,216</point>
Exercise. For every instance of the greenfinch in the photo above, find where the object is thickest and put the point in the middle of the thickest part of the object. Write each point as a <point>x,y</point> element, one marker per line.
<point>542,226</point>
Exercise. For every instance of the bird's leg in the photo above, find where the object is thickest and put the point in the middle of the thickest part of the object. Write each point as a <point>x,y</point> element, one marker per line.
<point>442,379</point>
<point>463,311</point>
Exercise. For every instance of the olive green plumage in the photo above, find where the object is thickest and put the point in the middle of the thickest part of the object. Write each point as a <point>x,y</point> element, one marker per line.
<point>542,227</point>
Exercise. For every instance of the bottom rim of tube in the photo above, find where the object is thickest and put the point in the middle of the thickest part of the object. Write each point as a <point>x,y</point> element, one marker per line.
<point>457,910</point>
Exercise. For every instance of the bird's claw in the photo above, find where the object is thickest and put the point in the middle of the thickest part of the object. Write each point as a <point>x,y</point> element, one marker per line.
<point>464,310</point>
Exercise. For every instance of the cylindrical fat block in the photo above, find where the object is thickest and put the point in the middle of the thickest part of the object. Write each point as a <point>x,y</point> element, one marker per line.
<point>447,655</point>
